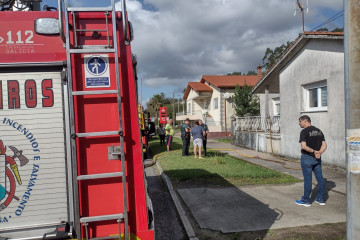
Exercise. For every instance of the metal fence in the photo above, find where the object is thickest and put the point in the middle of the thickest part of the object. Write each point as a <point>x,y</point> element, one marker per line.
<point>257,124</point>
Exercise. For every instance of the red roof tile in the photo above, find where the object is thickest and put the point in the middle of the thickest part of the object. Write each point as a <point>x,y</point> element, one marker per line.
<point>230,81</point>
<point>198,87</point>
<point>324,33</point>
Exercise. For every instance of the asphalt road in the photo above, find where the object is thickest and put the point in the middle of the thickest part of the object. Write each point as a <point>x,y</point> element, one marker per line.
<point>167,223</point>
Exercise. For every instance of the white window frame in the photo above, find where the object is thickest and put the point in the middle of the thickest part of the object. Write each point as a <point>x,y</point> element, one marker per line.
<point>189,108</point>
<point>276,101</point>
<point>306,101</point>
<point>216,103</point>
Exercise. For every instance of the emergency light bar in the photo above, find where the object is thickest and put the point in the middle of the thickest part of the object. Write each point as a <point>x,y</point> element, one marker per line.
<point>47,26</point>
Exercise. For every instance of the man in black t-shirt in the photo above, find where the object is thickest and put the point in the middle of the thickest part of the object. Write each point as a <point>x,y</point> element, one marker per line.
<point>313,145</point>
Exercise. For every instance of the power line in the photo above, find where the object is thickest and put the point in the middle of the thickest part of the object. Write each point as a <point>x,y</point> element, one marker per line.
<point>336,16</point>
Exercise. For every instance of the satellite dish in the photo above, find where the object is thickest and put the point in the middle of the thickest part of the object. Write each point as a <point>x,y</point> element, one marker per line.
<point>226,95</point>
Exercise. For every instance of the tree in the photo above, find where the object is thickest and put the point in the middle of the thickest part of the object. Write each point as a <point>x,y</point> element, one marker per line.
<point>322,30</point>
<point>251,73</point>
<point>245,102</point>
<point>338,30</point>
<point>271,55</point>
<point>234,73</point>
<point>154,104</point>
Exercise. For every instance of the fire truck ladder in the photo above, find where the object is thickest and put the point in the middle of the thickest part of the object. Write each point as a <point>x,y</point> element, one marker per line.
<point>74,48</point>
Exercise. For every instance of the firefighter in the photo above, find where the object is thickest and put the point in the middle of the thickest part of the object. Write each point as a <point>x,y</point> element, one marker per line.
<point>206,131</point>
<point>185,136</point>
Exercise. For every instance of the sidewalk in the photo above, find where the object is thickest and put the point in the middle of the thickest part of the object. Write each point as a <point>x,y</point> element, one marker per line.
<point>261,207</point>
<point>335,178</point>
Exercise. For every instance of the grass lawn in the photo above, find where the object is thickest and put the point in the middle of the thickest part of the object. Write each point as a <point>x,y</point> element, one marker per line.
<point>225,140</point>
<point>216,169</point>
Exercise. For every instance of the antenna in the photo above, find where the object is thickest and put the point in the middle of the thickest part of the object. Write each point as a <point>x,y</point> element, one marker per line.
<point>299,6</point>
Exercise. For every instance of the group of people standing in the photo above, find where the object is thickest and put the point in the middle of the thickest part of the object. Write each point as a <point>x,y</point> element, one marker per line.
<point>198,132</point>
<point>168,132</point>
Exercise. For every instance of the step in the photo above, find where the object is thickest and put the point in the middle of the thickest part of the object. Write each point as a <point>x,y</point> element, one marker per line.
<point>98,134</point>
<point>104,238</point>
<point>98,92</point>
<point>102,218</point>
<point>90,9</point>
<point>93,50</point>
<point>99,176</point>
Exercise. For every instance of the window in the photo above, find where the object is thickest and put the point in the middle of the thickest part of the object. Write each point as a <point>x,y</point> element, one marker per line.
<point>276,106</point>
<point>316,97</point>
<point>215,103</point>
<point>188,110</point>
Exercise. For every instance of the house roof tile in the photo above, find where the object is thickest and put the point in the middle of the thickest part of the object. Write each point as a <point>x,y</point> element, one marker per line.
<point>198,87</point>
<point>230,81</point>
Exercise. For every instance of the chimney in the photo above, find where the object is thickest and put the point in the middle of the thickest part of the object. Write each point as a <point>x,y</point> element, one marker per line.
<point>259,72</point>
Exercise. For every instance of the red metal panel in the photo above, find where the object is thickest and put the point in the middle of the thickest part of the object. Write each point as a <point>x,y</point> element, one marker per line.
<point>99,113</point>
<point>20,43</point>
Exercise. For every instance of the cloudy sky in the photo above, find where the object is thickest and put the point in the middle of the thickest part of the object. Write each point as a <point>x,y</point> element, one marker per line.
<point>177,41</point>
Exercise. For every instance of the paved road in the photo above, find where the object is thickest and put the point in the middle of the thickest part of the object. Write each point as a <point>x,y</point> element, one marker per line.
<point>167,224</point>
<point>251,208</point>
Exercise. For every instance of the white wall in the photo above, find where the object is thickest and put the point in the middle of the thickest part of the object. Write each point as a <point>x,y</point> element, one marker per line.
<point>216,121</point>
<point>271,105</point>
<point>229,107</point>
<point>318,60</point>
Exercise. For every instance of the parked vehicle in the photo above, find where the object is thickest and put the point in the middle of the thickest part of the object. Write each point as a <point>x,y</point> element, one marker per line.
<point>70,147</point>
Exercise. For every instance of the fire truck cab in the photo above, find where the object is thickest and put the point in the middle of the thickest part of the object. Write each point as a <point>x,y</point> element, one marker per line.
<point>70,146</point>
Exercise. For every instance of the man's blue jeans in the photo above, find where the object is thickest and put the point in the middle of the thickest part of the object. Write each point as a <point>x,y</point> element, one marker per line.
<point>310,164</point>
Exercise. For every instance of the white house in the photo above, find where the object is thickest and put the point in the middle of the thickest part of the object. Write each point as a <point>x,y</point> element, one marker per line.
<point>308,79</point>
<point>211,99</point>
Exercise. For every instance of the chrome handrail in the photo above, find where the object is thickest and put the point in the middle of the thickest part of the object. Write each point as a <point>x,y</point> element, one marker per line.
<point>123,16</point>
<point>61,25</point>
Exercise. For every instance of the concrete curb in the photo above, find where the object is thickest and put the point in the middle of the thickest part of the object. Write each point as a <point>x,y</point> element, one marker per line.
<point>185,221</point>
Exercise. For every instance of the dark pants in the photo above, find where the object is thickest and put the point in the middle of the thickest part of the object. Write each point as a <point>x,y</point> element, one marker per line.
<point>310,164</point>
<point>204,145</point>
<point>169,139</point>
<point>185,137</point>
<point>162,140</point>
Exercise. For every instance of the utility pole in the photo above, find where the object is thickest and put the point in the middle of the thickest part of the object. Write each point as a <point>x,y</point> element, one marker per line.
<point>174,117</point>
<point>352,116</point>
<point>226,96</point>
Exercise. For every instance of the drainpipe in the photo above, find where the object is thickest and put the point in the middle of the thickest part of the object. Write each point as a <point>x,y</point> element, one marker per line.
<point>352,116</point>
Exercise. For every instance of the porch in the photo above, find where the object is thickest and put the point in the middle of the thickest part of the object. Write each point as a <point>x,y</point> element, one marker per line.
<point>258,133</point>
<point>256,124</point>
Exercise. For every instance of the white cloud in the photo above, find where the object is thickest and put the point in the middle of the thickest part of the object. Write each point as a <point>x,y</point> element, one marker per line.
<point>179,41</point>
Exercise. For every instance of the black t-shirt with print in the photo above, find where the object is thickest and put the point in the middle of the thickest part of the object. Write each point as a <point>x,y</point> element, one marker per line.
<point>313,138</point>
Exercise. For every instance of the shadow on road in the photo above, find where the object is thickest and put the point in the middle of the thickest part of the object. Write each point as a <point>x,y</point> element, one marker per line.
<point>328,186</point>
<point>225,209</point>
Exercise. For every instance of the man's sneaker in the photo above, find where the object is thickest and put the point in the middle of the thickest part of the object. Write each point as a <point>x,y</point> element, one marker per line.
<point>302,203</point>
<point>320,202</point>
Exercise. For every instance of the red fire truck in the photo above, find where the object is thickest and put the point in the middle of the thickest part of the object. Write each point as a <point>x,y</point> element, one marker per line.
<point>70,147</point>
